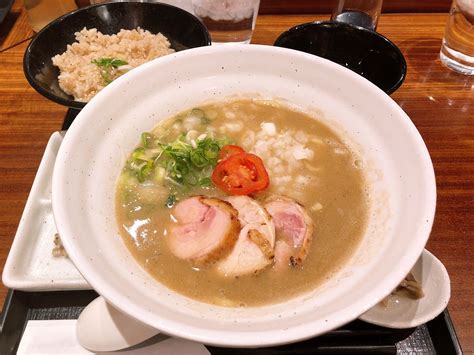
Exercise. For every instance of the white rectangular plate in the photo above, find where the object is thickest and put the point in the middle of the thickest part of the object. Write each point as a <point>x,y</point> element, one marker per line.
<point>31,265</point>
<point>59,337</point>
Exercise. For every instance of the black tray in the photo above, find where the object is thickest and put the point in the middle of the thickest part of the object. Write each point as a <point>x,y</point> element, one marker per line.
<point>70,116</point>
<point>435,337</point>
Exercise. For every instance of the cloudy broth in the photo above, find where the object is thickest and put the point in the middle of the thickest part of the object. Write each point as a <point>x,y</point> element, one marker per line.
<point>305,160</point>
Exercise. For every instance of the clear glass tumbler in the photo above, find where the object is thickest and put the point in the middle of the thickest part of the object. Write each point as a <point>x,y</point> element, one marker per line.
<point>457,49</point>
<point>228,21</point>
<point>363,13</point>
<point>42,12</point>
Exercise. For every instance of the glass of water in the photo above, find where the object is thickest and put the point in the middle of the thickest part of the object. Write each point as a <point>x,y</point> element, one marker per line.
<point>42,12</point>
<point>363,13</point>
<point>228,21</point>
<point>457,49</point>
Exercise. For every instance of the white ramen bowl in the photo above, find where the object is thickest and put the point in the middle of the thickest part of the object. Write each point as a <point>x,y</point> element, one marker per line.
<point>399,173</point>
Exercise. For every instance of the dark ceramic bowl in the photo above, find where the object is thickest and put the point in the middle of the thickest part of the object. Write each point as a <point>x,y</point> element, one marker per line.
<point>182,29</point>
<point>365,52</point>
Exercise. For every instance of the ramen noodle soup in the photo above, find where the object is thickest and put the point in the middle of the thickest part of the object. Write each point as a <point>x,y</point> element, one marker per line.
<point>242,203</point>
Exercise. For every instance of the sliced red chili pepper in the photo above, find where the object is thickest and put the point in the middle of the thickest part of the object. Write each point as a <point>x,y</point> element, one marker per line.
<point>241,174</point>
<point>228,150</point>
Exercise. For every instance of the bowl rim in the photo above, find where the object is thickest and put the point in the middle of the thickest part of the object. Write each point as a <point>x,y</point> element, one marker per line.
<point>338,24</point>
<point>79,104</point>
<point>228,337</point>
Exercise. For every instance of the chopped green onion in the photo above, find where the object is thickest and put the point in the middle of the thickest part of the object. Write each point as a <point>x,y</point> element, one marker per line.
<point>144,171</point>
<point>107,66</point>
<point>205,182</point>
<point>197,112</point>
<point>180,165</point>
<point>147,139</point>
<point>170,201</point>
<point>139,153</point>
<point>109,62</point>
<point>159,175</point>
<point>198,159</point>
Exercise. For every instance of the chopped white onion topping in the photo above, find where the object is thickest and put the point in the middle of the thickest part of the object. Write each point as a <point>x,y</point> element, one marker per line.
<point>300,153</point>
<point>124,67</point>
<point>316,207</point>
<point>269,128</point>
<point>192,134</point>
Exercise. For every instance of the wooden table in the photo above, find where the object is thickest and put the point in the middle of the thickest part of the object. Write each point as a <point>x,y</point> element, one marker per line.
<point>440,103</point>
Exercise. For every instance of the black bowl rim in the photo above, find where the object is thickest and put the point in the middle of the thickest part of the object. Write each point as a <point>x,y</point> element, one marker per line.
<point>78,104</point>
<point>397,50</point>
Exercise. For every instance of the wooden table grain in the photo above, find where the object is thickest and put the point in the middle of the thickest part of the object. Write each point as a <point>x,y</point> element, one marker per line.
<point>440,103</point>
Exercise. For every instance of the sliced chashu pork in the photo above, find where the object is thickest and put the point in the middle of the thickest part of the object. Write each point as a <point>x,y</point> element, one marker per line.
<point>294,231</point>
<point>206,229</point>
<point>254,249</point>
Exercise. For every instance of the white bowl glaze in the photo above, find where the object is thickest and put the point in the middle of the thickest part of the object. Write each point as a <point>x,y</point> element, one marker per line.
<point>398,166</point>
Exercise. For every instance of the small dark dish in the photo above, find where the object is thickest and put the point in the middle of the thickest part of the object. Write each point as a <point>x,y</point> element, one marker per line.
<point>365,52</point>
<point>182,29</point>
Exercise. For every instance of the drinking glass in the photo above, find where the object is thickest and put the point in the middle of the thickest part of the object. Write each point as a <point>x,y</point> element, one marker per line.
<point>228,21</point>
<point>363,13</point>
<point>457,49</point>
<point>42,12</point>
